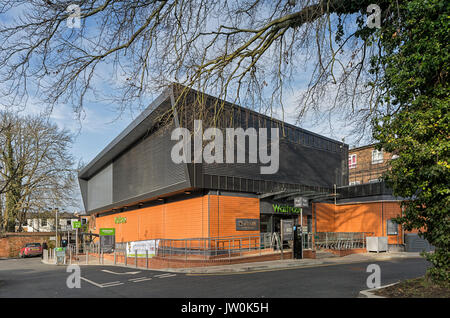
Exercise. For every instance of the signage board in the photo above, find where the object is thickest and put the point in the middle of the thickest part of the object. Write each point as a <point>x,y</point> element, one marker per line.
<point>392,227</point>
<point>287,230</point>
<point>301,202</point>
<point>120,220</point>
<point>286,209</point>
<point>60,255</point>
<point>104,231</point>
<point>76,224</point>
<point>107,239</point>
<point>141,247</point>
<point>247,224</point>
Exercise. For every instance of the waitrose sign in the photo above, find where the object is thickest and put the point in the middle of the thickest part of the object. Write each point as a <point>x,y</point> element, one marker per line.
<point>286,209</point>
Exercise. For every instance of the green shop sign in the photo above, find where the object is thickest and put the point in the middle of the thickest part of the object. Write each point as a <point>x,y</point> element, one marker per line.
<point>76,224</point>
<point>119,220</point>
<point>286,209</point>
<point>107,231</point>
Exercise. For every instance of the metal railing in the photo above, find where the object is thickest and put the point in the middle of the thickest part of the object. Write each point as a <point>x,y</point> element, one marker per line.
<point>307,241</point>
<point>340,240</point>
<point>214,247</point>
<point>187,251</point>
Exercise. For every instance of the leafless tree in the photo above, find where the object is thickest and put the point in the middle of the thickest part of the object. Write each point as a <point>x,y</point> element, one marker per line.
<point>35,160</point>
<point>246,51</point>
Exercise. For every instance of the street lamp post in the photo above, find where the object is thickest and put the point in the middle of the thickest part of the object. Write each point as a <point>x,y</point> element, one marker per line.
<point>56,225</point>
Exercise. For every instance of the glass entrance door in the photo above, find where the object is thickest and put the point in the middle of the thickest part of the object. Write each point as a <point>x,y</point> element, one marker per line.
<point>276,221</point>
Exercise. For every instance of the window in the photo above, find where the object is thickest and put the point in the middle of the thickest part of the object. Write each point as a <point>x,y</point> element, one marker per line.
<point>44,222</point>
<point>33,245</point>
<point>69,222</point>
<point>352,161</point>
<point>377,156</point>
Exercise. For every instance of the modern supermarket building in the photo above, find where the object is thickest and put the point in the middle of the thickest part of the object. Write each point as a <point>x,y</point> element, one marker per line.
<point>134,186</point>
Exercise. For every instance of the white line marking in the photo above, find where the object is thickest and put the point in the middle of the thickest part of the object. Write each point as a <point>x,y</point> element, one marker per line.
<point>91,282</point>
<point>141,280</point>
<point>104,284</point>
<point>126,273</point>
<point>137,278</point>
<point>110,284</point>
<point>165,275</point>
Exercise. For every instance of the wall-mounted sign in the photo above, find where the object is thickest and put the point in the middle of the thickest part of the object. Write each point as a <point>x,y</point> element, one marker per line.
<point>143,248</point>
<point>105,231</point>
<point>247,224</point>
<point>301,202</point>
<point>287,230</point>
<point>107,239</point>
<point>76,224</point>
<point>119,220</point>
<point>391,227</point>
<point>286,209</point>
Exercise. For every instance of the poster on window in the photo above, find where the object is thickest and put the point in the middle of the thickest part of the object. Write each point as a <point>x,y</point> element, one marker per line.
<point>141,247</point>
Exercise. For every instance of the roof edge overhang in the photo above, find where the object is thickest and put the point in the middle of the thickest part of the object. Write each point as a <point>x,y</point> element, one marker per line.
<point>143,199</point>
<point>126,138</point>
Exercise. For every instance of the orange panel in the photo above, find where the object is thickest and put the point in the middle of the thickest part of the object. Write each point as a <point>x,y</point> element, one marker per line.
<point>360,217</point>
<point>181,219</point>
<point>224,210</point>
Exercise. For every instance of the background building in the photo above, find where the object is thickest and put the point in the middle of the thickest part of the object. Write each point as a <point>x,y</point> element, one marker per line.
<point>366,164</point>
<point>40,223</point>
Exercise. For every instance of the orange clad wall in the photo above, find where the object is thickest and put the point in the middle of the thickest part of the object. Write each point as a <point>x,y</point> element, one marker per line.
<point>181,219</point>
<point>323,214</point>
<point>206,216</point>
<point>224,210</point>
<point>359,217</point>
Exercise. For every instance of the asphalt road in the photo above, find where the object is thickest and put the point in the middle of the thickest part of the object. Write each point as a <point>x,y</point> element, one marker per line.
<point>31,278</point>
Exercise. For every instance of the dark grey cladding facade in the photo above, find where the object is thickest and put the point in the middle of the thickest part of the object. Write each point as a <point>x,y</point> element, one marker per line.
<point>136,166</point>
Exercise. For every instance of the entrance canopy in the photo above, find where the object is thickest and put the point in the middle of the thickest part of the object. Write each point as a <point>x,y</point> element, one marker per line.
<point>290,195</point>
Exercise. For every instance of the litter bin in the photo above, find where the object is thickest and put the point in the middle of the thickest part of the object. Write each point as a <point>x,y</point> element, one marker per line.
<point>60,255</point>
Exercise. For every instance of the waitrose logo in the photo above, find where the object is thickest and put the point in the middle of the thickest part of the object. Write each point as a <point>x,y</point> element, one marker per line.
<point>286,209</point>
<point>119,220</point>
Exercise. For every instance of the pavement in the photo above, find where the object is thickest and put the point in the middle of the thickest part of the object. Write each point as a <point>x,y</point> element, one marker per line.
<point>323,259</point>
